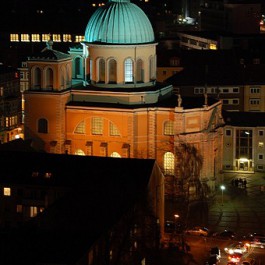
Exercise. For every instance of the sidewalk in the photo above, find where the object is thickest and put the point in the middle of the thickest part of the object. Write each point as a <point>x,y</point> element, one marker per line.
<point>239,209</point>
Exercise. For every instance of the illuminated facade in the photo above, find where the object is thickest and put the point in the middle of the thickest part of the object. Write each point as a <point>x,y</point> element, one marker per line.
<point>244,141</point>
<point>10,105</point>
<point>102,99</point>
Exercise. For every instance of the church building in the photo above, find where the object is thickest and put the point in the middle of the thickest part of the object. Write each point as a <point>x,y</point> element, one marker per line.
<point>102,99</point>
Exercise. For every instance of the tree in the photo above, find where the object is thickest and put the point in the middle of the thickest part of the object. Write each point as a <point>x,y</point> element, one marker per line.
<point>188,167</point>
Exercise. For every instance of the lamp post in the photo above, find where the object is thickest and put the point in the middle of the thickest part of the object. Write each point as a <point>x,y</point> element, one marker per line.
<point>176,216</point>
<point>222,189</point>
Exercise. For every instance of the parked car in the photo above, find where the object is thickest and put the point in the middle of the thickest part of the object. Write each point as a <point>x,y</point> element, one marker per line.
<point>236,248</point>
<point>197,231</point>
<point>226,234</point>
<point>248,261</point>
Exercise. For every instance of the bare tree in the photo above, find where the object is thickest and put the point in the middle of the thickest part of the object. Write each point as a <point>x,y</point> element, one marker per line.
<point>188,167</point>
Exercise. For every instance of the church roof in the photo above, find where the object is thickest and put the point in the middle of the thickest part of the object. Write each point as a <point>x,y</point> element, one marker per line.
<point>49,54</point>
<point>119,22</point>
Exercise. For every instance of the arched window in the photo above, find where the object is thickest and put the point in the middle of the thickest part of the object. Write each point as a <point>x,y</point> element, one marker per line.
<point>79,152</point>
<point>169,163</point>
<point>37,78</point>
<point>101,67</point>
<point>152,68</point>
<point>128,70</point>
<point>139,71</point>
<point>169,128</point>
<point>112,71</point>
<point>49,78</point>
<point>115,154</point>
<point>42,126</point>
<point>113,130</point>
<point>80,128</point>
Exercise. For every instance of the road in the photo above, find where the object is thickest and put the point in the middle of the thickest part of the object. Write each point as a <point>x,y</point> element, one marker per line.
<point>241,210</point>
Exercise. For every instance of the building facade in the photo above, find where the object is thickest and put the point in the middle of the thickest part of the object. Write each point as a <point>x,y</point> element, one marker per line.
<point>10,104</point>
<point>244,141</point>
<point>102,99</point>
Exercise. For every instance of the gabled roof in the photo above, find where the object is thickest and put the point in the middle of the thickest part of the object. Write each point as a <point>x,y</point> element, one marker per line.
<point>49,54</point>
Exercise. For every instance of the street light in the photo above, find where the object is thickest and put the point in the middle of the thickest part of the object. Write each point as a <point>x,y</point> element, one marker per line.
<point>222,189</point>
<point>176,216</point>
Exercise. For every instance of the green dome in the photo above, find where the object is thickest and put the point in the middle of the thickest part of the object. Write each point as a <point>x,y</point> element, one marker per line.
<point>119,22</point>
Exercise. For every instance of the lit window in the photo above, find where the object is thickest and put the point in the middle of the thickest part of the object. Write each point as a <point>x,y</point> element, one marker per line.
<point>97,125</point>
<point>48,175</point>
<point>7,191</point>
<point>79,38</point>
<point>114,131</point>
<point>169,163</point>
<point>80,128</point>
<point>14,37</point>
<point>169,128</point>
<point>128,70</point>
<point>213,46</point>
<point>25,38</point>
<point>79,152</point>
<point>45,37</point>
<point>261,144</point>
<point>33,211</point>
<point>67,38</point>
<point>35,37</point>
<point>56,37</point>
<point>115,154</point>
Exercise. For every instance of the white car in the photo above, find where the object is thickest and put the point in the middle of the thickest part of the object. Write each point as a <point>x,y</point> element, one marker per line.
<point>236,248</point>
<point>197,231</point>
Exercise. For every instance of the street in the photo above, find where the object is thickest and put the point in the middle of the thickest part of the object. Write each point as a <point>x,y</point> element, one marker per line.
<point>239,209</point>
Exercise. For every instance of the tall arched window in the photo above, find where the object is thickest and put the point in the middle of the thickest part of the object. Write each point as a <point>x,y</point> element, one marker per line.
<point>152,68</point>
<point>42,126</point>
<point>37,78</point>
<point>169,128</point>
<point>128,70</point>
<point>139,71</point>
<point>112,71</point>
<point>101,68</point>
<point>169,163</point>
<point>49,78</point>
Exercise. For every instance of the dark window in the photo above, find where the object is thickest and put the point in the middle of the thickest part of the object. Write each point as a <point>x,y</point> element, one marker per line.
<point>42,126</point>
